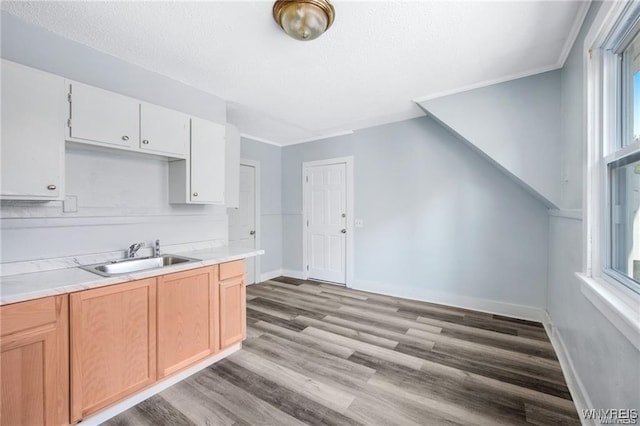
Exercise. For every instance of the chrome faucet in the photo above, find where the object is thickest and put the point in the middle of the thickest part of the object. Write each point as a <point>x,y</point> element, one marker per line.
<point>156,249</point>
<point>133,249</point>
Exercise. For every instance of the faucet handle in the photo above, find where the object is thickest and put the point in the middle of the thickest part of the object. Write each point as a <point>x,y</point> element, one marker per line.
<point>133,249</point>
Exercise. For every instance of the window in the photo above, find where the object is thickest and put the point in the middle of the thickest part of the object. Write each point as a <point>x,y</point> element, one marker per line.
<point>611,220</point>
<point>621,150</point>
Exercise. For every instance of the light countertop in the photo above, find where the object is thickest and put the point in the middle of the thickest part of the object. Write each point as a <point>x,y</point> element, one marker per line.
<point>22,287</point>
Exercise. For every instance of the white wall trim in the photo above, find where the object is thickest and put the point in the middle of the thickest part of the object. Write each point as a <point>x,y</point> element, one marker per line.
<point>508,309</point>
<point>567,214</point>
<point>257,221</point>
<point>576,387</point>
<point>293,274</point>
<point>121,406</point>
<point>266,276</point>
<point>350,211</point>
<point>573,34</point>
<point>257,139</point>
<point>486,83</point>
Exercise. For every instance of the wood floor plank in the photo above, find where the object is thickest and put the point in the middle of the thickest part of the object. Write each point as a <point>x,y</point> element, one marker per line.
<point>199,406</point>
<point>541,416</point>
<point>291,402</point>
<point>329,396</point>
<point>310,341</point>
<point>243,406</point>
<point>295,351</point>
<point>317,353</point>
<point>442,387</point>
<point>347,332</point>
<point>367,348</point>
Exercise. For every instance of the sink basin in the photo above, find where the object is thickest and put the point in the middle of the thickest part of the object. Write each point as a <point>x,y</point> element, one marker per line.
<point>126,266</point>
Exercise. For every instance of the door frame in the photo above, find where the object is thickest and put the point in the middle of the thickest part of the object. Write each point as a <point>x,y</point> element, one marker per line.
<point>350,222</point>
<point>256,166</point>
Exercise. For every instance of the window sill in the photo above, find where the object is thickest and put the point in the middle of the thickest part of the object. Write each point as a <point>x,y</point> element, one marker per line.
<point>620,307</point>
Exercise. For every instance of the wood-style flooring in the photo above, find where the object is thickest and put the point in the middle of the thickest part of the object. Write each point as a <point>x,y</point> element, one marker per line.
<point>321,354</point>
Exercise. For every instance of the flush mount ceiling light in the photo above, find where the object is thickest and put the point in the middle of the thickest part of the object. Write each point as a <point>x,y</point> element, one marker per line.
<point>304,19</point>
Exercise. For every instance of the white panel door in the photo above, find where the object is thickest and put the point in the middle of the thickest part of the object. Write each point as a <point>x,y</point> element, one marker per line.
<point>102,116</point>
<point>242,221</point>
<point>163,130</point>
<point>207,167</point>
<point>326,227</point>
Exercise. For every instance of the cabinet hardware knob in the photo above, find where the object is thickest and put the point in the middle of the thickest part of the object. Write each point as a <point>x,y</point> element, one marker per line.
<point>252,232</point>
<point>195,194</point>
<point>146,142</point>
<point>51,187</point>
<point>344,231</point>
<point>125,138</point>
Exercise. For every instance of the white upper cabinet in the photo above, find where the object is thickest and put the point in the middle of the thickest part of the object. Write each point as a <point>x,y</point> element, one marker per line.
<point>163,131</point>
<point>100,117</point>
<point>201,178</point>
<point>232,179</point>
<point>207,162</point>
<point>33,120</point>
<point>105,117</point>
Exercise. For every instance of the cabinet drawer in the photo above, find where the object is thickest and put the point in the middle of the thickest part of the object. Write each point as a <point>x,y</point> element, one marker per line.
<point>25,315</point>
<point>231,269</point>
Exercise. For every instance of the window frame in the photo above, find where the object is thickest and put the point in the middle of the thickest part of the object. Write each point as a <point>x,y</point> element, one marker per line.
<point>601,285</point>
<point>607,126</point>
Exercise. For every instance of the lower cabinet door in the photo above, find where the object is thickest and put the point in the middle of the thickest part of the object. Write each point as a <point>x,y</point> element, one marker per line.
<point>113,344</point>
<point>232,311</point>
<point>34,371</point>
<point>187,318</point>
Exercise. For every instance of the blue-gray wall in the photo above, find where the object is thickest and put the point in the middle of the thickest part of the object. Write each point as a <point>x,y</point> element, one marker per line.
<point>270,158</point>
<point>516,124</point>
<point>605,361</point>
<point>438,218</point>
<point>121,198</point>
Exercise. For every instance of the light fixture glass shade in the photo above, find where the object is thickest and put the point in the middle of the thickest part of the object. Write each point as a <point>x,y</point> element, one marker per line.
<point>304,19</point>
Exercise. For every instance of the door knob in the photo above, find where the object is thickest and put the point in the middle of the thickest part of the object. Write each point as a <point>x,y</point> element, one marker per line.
<point>125,138</point>
<point>252,232</point>
<point>51,187</point>
<point>195,194</point>
<point>146,142</point>
<point>344,231</point>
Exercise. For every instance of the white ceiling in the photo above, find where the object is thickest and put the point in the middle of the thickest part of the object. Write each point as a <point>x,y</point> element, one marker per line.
<point>367,69</point>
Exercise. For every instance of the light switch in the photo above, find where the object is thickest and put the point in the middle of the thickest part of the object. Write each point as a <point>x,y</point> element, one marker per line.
<point>70,204</point>
<point>359,223</point>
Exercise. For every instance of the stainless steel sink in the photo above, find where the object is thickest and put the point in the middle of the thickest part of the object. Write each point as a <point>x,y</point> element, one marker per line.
<point>125,266</point>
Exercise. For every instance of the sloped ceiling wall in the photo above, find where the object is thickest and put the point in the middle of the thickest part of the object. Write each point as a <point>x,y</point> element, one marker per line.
<point>515,125</point>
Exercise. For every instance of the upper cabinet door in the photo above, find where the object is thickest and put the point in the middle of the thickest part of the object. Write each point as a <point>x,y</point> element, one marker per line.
<point>101,116</point>
<point>163,131</point>
<point>207,162</point>
<point>33,120</point>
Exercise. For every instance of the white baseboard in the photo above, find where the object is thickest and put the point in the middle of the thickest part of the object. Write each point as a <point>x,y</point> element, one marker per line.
<point>292,274</point>
<point>576,387</point>
<point>121,406</point>
<point>266,276</point>
<point>513,310</point>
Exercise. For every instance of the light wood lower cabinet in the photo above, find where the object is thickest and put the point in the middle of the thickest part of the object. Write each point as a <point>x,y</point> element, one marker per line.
<point>34,369</point>
<point>113,344</point>
<point>187,318</point>
<point>232,303</point>
<point>67,357</point>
